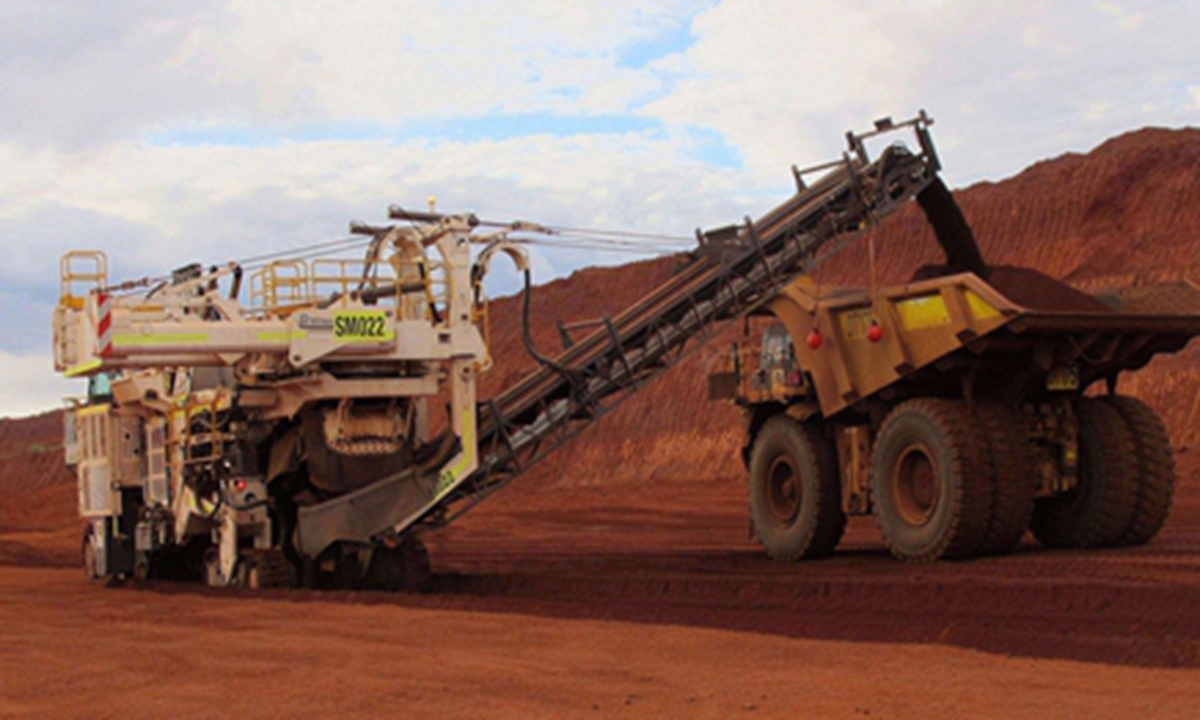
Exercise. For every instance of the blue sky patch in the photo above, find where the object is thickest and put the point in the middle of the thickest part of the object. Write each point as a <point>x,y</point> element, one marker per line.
<point>638,55</point>
<point>503,127</point>
<point>466,129</point>
<point>712,149</point>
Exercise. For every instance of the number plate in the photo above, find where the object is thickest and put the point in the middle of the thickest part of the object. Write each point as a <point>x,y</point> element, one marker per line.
<point>362,326</point>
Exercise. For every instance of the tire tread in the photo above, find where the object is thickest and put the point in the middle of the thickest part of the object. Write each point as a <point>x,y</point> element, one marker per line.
<point>1156,469</point>
<point>1101,513</point>
<point>830,521</point>
<point>969,468</point>
<point>1014,481</point>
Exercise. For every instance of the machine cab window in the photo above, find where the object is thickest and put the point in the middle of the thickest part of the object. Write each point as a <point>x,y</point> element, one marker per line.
<point>777,349</point>
<point>99,388</point>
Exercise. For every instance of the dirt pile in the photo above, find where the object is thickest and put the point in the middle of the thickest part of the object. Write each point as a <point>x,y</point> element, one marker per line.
<point>31,453</point>
<point>1125,212</point>
<point>37,494</point>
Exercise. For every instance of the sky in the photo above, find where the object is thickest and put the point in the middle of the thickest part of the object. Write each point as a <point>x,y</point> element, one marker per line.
<point>164,132</point>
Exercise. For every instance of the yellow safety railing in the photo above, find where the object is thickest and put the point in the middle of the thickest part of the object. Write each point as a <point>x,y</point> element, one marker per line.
<point>284,286</point>
<point>342,279</point>
<point>94,273</point>
<point>280,284</point>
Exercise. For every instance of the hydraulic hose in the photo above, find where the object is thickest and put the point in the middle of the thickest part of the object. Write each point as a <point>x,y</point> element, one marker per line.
<point>526,338</point>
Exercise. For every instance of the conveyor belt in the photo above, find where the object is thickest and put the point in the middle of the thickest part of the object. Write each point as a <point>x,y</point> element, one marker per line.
<point>525,423</point>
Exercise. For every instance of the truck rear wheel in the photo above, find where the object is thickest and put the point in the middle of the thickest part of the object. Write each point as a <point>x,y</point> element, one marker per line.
<point>931,481</point>
<point>1155,465</point>
<point>1014,479</point>
<point>795,494</point>
<point>1098,512</point>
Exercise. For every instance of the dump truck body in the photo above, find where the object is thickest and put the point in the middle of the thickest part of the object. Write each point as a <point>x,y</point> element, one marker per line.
<point>962,321</point>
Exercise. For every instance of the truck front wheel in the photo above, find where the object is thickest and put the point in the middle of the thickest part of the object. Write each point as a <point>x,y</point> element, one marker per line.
<point>931,481</point>
<point>795,495</point>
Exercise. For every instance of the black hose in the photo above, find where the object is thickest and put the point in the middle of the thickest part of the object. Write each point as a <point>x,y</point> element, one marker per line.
<point>526,339</point>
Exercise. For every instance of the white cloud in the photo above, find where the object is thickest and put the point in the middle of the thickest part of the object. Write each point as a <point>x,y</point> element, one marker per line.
<point>771,76</point>
<point>76,74</point>
<point>96,93</point>
<point>1008,82</point>
<point>1097,111</point>
<point>410,58</point>
<point>1126,20</point>
<point>205,199</point>
<point>30,385</point>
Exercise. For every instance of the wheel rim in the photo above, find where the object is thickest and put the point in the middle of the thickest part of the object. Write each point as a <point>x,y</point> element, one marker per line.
<point>915,485</point>
<point>783,490</point>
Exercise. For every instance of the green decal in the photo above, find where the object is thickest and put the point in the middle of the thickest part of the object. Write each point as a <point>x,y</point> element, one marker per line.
<point>445,481</point>
<point>362,326</point>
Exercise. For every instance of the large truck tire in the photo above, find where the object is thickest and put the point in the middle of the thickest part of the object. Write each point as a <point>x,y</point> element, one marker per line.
<point>1156,469</point>
<point>1098,512</point>
<point>1013,475</point>
<point>795,494</point>
<point>931,481</point>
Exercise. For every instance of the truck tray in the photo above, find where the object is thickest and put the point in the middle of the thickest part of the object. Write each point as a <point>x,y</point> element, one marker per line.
<point>1018,323</point>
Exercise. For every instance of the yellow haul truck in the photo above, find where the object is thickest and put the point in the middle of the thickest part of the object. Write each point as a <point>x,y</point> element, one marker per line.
<point>956,409</point>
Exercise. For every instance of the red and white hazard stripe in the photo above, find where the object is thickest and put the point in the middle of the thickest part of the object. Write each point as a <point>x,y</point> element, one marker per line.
<point>104,329</point>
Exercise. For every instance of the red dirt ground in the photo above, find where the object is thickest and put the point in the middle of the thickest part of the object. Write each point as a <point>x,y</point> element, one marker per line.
<point>603,602</point>
<point>68,649</point>
<point>617,578</point>
<point>623,599</point>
